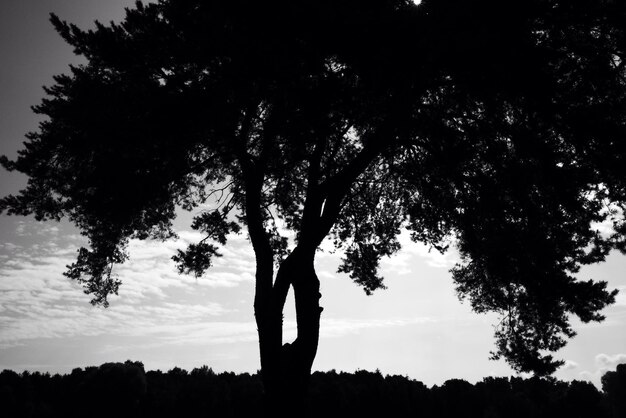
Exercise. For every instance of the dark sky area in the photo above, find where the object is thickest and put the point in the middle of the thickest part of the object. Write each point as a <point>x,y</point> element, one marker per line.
<point>31,53</point>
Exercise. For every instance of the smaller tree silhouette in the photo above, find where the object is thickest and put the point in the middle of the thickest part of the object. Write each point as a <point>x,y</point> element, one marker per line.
<point>614,387</point>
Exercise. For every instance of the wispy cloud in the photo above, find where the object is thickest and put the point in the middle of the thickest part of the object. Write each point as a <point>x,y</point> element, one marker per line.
<point>206,333</point>
<point>30,228</point>
<point>37,301</point>
<point>42,319</point>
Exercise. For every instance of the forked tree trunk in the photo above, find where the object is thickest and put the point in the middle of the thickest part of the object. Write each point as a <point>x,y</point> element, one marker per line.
<point>286,369</point>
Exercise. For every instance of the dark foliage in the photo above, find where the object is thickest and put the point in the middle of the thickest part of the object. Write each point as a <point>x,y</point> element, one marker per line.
<point>124,390</point>
<point>614,386</point>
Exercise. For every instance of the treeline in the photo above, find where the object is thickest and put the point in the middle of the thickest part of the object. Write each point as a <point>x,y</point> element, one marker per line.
<point>126,390</point>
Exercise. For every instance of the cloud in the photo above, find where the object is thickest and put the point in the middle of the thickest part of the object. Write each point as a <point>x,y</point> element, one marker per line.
<point>41,319</point>
<point>206,333</point>
<point>605,228</point>
<point>37,301</point>
<point>432,256</point>
<point>401,263</point>
<point>149,270</point>
<point>570,365</point>
<point>610,361</point>
<point>32,228</point>
<point>604,363</point>
<point>8,246</point>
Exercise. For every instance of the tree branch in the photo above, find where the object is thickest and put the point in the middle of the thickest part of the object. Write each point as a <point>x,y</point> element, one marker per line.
<point>336,188</point>
<point>313,202</point>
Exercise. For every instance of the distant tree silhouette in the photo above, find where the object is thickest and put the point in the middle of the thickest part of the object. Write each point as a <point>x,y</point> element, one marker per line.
<point>95,391</point>
<point>497,124</point>
<point>614,386</point>
<point>125,383</point>
<point>583,399</point>
<point>455,398</point>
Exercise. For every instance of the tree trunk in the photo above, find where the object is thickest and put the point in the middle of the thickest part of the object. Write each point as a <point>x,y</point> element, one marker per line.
<point>286,369</point>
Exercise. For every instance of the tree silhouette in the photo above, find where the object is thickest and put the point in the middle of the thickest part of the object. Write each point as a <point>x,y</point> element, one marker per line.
<point>614,386</point>
<point>496,128</point>
<point>203,392</point>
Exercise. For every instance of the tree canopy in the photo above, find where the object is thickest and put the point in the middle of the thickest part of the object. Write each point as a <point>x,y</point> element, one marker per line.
<point>497,127</point>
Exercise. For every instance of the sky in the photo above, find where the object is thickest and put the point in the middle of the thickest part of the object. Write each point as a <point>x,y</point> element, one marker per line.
<point>417,327</point>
